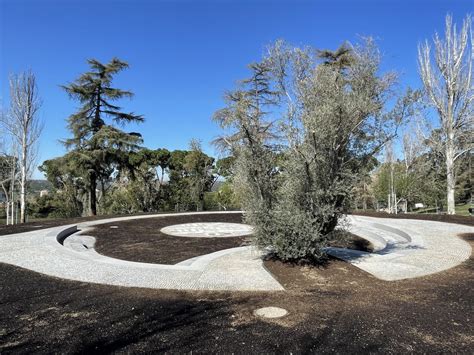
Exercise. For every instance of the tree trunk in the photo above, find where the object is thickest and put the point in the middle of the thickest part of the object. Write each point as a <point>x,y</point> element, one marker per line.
<point>7,202</point>
<point>200,204</point>
<point>23,173</point>
<point>12,192</point>
<point>92,193</point>
<point>450,177</point>
<point>7,207</point>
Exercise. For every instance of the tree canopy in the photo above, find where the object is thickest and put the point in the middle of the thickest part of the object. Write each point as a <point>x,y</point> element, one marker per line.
<point>97,143</point>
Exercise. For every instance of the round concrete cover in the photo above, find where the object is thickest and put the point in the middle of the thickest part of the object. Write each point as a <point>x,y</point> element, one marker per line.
<point>271,312</point>
<point>208,230</point>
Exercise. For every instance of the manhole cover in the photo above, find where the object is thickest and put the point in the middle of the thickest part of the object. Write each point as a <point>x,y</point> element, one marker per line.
<point>271,312</point>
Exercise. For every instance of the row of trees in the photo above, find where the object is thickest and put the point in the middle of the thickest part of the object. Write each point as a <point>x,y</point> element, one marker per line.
<point>416,181</point>
<point>146,181</point>
<point>106,169</point>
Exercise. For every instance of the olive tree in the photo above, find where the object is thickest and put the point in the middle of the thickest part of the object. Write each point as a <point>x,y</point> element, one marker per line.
<point>332,111</point>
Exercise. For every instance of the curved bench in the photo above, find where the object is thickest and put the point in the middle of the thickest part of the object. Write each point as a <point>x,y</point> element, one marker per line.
<point>64,233</point>
<point>405,236</point>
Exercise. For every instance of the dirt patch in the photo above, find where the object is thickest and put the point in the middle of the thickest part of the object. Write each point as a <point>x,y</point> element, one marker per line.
<point>466,220</point>
<point>336,308</point>
<point>141,240</point>
<point>354,242</point>
<point>333,309</point>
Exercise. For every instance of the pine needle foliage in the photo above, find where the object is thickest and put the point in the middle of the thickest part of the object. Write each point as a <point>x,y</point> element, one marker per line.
<point>99,144</point>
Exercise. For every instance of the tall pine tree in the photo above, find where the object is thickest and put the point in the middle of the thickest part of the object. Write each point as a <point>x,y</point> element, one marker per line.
<point>98,145</point>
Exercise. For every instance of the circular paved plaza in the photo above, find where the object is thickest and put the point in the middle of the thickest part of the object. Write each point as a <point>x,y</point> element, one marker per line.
<point>208,230</point>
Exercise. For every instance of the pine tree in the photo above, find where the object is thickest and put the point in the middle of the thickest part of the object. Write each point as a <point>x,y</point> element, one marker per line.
<point>99,144</point>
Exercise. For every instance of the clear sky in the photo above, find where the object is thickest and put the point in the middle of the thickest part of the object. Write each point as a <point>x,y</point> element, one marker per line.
<point>184,54</point>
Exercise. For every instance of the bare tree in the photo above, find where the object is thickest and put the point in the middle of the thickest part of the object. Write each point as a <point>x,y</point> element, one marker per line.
<point>392,195</point>
<point>411,147</point>
<point>8,171</point>
<point>447,79</point>
<point>23,124</point>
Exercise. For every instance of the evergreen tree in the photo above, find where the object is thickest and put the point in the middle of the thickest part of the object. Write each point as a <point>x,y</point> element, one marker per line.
<point>200,175</point>
<point>100,144</point>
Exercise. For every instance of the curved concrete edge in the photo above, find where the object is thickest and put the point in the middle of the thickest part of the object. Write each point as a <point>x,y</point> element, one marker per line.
<point>434,247</point>
<point>64,233</point>
<point>382,236</point>
<point>83,245</point>
<point>373,238</point>
<point>128,218</point>
<point>237,269</point>
<point>396,231</point>
<point>425,248</point>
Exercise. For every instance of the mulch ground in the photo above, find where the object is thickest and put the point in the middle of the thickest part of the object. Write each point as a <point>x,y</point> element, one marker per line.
<point>336,308</point>
<point>332,309</point>
<point>141,240</point>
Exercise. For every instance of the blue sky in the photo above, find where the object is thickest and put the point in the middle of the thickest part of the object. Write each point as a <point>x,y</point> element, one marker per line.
<point>184,54</point>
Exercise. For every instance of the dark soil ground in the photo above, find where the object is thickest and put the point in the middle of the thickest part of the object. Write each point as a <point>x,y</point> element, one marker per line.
<point>332,309</point>
<point>467,220</point>
<point>141,240</point>
<point>352,241</point>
